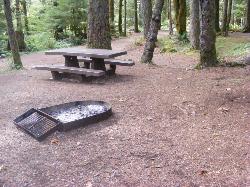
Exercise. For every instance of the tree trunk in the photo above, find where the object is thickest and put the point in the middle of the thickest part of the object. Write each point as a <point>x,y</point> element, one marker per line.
<point>111,16</point>
<point>247,25</point>
<point>136,16</point>
<point>146,8</point>
<point>153,32</point>
<point>125,18</point>
<point>229,14</point>
<point>120,18</point>
<point>12,36</point>
<point>98,25</point>
<point>195,24</point>
<point>170,17</point>
<point>224,23</point>
<point>19,28</point>
<point>208,35</point>
<point>26,21</point>
<point>217,15</point>
<point>180,16</point>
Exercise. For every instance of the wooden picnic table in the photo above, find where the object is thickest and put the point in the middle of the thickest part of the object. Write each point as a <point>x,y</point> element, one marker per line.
<point>96,55</point>
<point>94,63</point>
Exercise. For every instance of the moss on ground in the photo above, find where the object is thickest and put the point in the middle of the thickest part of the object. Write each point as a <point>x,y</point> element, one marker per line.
<point>227,48</point>
<point>232,47</point>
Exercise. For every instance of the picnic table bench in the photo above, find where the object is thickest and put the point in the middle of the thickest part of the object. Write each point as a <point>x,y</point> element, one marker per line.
<point>94,62</point>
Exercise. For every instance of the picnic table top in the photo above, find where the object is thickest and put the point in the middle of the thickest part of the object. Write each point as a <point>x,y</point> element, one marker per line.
<point>93,53</point>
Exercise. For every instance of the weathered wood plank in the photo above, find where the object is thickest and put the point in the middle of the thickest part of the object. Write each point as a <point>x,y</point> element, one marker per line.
<point>93,53</point>
<point>111,61</point>
<point>72,70</point>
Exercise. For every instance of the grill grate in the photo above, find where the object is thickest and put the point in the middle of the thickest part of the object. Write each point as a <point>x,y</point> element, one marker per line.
<point>37,124</point>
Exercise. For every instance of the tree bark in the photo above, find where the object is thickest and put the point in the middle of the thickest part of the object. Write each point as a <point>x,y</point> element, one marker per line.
<point>180,16</point>
<point>146,8</point>
<point>98,29</point>
<point>247,25</point>
<point>125,18</point>
<point>224,23</point>
<point>98,25</point>
<point>208,35</point>
<point>229,14</point>
<point>153,32</point>
<point>120,18</point>
<point>170,17</point>
<point>112,16</point>
<point>25,12</point>
<point>217,15</point>
<point>19,28</point>
<point>195,24</point>
<point>12,36</point>
<point>136,16</point>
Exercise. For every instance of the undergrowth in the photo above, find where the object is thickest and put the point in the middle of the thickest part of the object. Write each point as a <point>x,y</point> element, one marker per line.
<point>232,47</point>
<point>175,45</point>
<point>43,41</point>
<point>139,41</point>
<point>227,47</point>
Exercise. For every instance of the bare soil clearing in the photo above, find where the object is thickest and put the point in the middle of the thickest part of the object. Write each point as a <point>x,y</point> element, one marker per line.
<point>172,126</point>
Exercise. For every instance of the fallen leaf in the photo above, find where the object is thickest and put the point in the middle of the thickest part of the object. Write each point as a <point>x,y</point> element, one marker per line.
<point>55,141</point>
<point>149,118</point>
<point>203,172</point>
<point>2,168</point>
<point>224,109</point>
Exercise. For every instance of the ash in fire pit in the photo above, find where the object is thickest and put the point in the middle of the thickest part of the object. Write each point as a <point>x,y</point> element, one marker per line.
<point>41,122</point>
<point>78,112</point>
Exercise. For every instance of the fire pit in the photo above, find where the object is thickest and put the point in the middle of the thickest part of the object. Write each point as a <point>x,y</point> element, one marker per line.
<point>39,123</point>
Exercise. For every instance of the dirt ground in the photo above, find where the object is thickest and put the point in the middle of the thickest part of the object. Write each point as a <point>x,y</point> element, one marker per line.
<point>172,126</point>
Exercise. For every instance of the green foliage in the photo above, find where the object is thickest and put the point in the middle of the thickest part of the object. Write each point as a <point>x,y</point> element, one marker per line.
<point>3,37</point>
<point>139,41</point>
<point>68,15</point>
<point>239,8</point>
<point>42,41</point>
<point>183,37</point>
<point>232,46</point>
<point>56,25</point>
<point>228,49</point>
<point>174,44</point>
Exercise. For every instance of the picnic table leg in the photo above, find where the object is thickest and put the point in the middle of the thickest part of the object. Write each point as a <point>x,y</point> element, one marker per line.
<point>112,69</point>
<point>98,64</point>
<point>71,61</point>
<point>56,75</point>
<point>86,65</point>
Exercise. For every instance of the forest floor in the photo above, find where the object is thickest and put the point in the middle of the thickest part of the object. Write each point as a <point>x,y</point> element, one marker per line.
<point>172,125</point>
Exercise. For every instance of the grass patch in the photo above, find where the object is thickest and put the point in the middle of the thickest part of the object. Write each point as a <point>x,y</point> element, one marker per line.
<point>232,47</point>
<point>7,66</point>
<point>175,45</point>
<point>43,41</point>
<point>227,47</point>
<point>139,41</point>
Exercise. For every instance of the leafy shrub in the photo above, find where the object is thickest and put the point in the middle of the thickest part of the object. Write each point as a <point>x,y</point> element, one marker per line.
<point>183,37</point>
<point>173,45</point>
<point>3,45</point>
<point>139,42</point>
<point>73,40</point>
<point>42,41</point>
